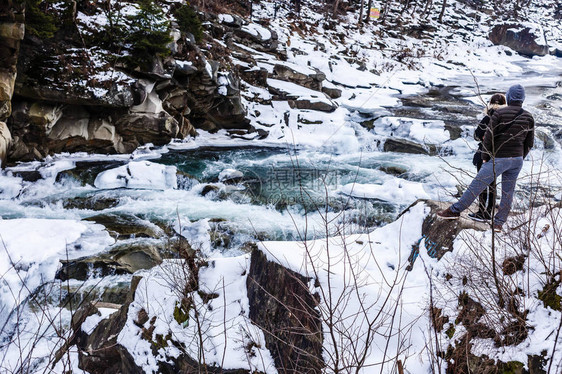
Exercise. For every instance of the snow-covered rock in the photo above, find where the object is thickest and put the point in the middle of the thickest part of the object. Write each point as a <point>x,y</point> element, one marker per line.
<point>138,175</point>
<point>301,97</point>
<point>231,20</point>
<point>397,191</point>
<point>422,131</point>
<point>230,176</point>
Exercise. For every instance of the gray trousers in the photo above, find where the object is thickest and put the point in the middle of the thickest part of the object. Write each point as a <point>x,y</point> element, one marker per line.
<point>508,168</point>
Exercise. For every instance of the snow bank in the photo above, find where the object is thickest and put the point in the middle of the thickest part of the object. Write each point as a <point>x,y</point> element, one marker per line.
<point>139,175</point>
<point>369,101</point>
<point>229,174</point>
<point>196,233</point>
<point>295,91</point>
<point>467,264</point>
<point>367,274</point>
<point>31,249</point>
<point>159,292</point>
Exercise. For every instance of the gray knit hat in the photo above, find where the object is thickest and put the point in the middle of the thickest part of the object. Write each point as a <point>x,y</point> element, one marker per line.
<point>515,95</point>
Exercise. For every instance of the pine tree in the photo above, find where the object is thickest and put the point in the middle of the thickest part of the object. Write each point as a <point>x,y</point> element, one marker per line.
<point>188,22</point>
<point>146,35</point>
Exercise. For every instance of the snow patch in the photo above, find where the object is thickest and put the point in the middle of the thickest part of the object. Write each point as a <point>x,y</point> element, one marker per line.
<point>31,249</point>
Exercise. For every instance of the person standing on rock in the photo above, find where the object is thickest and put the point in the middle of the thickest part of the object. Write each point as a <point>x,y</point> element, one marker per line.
<point>507,141</point>
<point>487,198</point>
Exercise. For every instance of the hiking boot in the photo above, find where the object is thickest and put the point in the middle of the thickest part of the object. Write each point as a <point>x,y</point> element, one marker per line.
<point>448,214</point>
<point>497,227</point>
<point>479,217</point>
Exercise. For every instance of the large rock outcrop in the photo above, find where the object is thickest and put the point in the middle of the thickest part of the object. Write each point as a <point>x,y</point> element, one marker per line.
<point>526,39</point>
<point>68,97</point>
<point>12,31</point>
<point>283,307</point>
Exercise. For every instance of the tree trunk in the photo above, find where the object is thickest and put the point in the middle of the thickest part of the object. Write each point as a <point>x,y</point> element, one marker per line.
<point>368,11</point>
<point>361,12</point>
<point>442,11</point>
<point>428,3</point>
<point>335,10</point>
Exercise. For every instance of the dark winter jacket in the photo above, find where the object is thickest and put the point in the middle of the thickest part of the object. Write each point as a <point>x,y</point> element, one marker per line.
<point>481,128</point>
<point>509,134</point>
<point>480,131</point>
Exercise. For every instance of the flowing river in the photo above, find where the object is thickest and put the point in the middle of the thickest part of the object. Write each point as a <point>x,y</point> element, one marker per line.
<point>230,195</point>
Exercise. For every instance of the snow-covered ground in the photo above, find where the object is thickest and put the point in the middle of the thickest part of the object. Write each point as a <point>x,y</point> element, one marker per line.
<point>37,230</point>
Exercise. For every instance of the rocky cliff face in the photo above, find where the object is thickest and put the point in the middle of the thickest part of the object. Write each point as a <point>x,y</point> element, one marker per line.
<point>11,33</point>
<point>526,39</point>
<point>75,92</point>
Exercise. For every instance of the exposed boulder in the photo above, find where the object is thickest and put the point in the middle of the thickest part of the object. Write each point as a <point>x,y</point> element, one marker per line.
<point>12,31</point>
<point>257,37</point>
<point>213,98</point>
<point>141,128</point>
<point>124,226</point>
<point>185,68</point>
<point>407,146</point>
<point>74,123</point>
<point>55,128</point>
<point>332,91</point>
<point>526,39</point>
<point>7,81</point>
<point>175,102</point>
<point>286,311</point>
<point>91,202</point>
<point>32,121</point>
<point>393,169</point>
<point>123,258</point>
<point>147,122</point>
<point>229,113</point>
<point>308,77</point>
<point>254,75</point>
<point>208,188</point>
<point>227,110</point>
<point>313,104</point>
